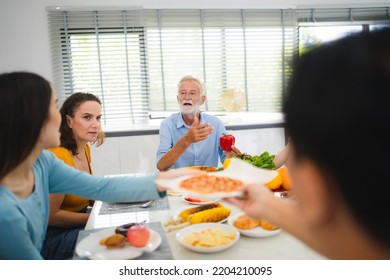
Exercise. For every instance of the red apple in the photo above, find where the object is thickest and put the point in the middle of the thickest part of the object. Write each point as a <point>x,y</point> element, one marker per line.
<point>138,236</point>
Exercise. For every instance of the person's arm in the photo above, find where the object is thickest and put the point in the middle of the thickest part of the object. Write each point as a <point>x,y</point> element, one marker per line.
<point>197,132</point>
<point>259,202</point>
<point>64,218</point>
<point>170,157</point>
<point>281,158</point>
<point>66,179</point>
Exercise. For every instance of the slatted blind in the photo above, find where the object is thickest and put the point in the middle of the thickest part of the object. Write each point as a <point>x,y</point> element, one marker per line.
<point>133,59</point>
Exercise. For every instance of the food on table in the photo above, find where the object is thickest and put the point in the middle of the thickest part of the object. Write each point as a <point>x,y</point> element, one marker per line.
<point>266,225</point>
<point>211,237</point>
<point>245,222</point>
<point>122,229</point>
<point>286,180</point>
<point>226,141</point>
<point>265,160</point>
<point>281,182</point>
<point>275,183</point>
<point>209,216</point>
<point>197,200</point>
<point>206,184</point>
<point>186,213</point>
<point>114,241</point>
<point>190,199</point>
<point>138,235</point>
<point>208,213</point>
<point>204,168</point>
<point>226,163</point>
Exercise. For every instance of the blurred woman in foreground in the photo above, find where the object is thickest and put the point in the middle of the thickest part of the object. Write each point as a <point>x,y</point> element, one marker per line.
<point>337,114</point>
<point>29,124</point>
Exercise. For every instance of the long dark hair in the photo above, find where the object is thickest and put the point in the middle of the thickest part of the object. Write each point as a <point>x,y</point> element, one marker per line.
<point>24,108</point>
<point>71,104</point>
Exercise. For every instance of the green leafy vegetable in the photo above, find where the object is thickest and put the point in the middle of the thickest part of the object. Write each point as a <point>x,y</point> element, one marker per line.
<point>265,160</point>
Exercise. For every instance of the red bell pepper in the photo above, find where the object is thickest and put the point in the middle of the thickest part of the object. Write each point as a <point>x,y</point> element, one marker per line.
<point>226,142</point>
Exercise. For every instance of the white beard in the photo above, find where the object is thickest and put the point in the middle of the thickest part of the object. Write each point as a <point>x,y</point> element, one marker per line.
<point>189,110</point>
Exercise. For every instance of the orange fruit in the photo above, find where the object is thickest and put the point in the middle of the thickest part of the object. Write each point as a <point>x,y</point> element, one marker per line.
<point>275,182</point>
<point>286,180</point>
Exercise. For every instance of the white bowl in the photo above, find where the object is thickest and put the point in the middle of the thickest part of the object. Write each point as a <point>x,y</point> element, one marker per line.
<point>199,227</point>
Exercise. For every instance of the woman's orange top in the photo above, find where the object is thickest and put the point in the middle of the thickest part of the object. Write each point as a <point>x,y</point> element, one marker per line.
<point>72,202</point>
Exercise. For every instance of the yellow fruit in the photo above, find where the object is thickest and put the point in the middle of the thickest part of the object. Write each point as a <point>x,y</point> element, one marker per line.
<point>286,181</point>
<point>226,163</point>
<point>275,182</point>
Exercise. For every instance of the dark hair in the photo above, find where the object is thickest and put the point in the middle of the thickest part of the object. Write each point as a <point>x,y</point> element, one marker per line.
<point>71,104</point>
<point>24,108</point>
<point>338,115</point>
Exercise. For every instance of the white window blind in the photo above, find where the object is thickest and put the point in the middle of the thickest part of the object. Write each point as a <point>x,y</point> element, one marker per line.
<point>133,59</point>
<point>227,49</point>
<point>102,53</point>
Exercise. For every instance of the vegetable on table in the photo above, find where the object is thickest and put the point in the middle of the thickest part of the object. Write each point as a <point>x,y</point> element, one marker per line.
<point>209,216</point>
<point>226,163</point>
<point>186,213</point>
<point>226,141</point>
<point>265,160</point>
<point>209,213</point>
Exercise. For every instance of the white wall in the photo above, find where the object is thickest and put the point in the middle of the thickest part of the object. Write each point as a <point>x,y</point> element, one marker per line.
<point>24,31</point>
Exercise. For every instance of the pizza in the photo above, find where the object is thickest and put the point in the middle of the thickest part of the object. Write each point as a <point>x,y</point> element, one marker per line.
<point>204,168</point>
<point>207,184</point>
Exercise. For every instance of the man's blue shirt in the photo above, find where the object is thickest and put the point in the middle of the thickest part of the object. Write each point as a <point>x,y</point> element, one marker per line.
<point>202,153</point>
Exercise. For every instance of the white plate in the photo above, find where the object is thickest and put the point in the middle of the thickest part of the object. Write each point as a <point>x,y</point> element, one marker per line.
<point>254,232</point>
<point>198,202</point>
<point>199,227</point>
<point>174,184</point>
<point>90,247</point>
<point>238,169</point>
<point>178,211</point>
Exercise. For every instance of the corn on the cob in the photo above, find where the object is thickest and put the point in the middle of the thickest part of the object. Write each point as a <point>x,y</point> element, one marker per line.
<point>209,216</point>
<point>207,213</point>
<point>186,213</point>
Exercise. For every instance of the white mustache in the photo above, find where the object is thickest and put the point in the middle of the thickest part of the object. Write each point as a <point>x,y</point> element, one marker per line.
<point>185,101</point>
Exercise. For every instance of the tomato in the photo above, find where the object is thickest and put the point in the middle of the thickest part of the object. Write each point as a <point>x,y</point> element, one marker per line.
<point>226,141</point>
<point>138,236</point>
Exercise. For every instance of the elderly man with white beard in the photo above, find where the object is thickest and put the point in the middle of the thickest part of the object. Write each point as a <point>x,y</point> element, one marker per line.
<point>189,137</point>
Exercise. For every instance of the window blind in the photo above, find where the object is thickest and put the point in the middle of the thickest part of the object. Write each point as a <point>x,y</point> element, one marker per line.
<point>227,49</point>
<point>133,59</point>
<point>346,15</point>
